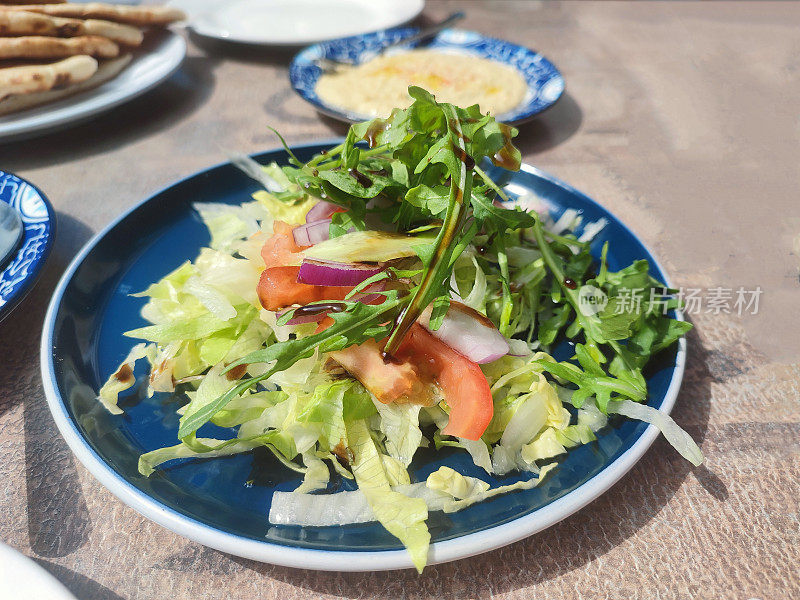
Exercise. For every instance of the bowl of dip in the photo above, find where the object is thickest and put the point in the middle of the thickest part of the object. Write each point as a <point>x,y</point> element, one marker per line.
<point>512,82</point>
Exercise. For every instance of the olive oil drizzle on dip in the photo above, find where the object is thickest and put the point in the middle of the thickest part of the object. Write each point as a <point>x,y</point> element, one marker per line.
<point>374,88</point>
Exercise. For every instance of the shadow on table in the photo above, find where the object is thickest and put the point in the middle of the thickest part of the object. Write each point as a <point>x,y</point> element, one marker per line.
<point>82,587</point>
<point>152,112</point>
<point>550,128</point>
<point>278,56</point>
<point>568,545</point>
<point>28,316</point>
<point>58,518</point>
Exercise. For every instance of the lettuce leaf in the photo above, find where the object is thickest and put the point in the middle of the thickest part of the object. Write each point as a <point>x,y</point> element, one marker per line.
<point>402,516</point>
<point>326,407</point>
<point>546,445</point>
<point>211,386</point>
<point>122,379</point>
<point>680,440</point>
<point>316,476</point>
<point>369,246</point>
<point>400,424</point>
<point>247,408</point>
<point>466,491</point>
<point>293,214</point>
<point>150,460</point>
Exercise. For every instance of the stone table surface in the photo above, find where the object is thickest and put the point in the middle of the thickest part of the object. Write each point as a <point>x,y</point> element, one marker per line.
<point>682,118</point>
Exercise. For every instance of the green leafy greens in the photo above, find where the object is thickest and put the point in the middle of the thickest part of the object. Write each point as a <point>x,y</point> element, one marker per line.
<point>421,167</point>
<point>417,202</point>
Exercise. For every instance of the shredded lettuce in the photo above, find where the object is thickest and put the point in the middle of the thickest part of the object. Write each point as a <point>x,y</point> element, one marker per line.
<point>316,476</point>
<point>402,516</point>
<point>676,436</point>
<point>330,405</point>
<point>121,380</point>
<point>211,386</point>
<point>369,246</point>
<point>227,224</point>
<point>467,491</point>
<point>213,448</point>
<point>444,490</point>
<point>400,424</point>
<point>246,408</point>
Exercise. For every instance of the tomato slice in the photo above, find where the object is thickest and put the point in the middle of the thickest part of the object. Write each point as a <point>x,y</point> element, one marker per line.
<point>389,382</point>
<point>278,288</point>
<point>461,381</point>
<point>279,248</point>
<point>422,361</point>
<point>324,322</point>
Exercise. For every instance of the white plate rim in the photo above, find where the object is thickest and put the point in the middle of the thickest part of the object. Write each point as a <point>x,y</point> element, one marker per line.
<point>410,9</point>
<point>38,579</point>
<point>81,106</point>
<point>330,560</point>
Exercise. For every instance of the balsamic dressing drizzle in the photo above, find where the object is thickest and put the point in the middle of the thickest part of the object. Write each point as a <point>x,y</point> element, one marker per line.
<point>505,156</point>
<point>312,310</point>
<point>462,155</point>
<point>362,179</point>
<point>377,127</point>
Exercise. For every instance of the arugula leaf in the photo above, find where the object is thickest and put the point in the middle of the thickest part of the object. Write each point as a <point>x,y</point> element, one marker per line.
<point>500,219</point>
<point>433,201</point>
<point>439,267</point>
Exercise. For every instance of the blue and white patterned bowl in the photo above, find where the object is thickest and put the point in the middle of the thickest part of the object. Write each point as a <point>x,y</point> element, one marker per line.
<point>544,82</point>
<point>39,223</point>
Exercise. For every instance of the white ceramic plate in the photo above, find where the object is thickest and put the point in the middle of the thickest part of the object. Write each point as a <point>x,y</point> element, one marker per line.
<point>159,57</point>
<point>294,22</point>
<point>22,579</point>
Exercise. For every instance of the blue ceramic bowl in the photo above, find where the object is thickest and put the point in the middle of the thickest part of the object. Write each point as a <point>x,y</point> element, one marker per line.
<point>544,82</point>
<point>39,223</point>
<point>209,500</point>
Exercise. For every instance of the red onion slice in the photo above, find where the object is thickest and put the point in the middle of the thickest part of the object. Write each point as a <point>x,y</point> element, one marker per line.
<point>315,272</point>
<point>322,210</point>
<point>468,332</point>
<point>312,233</point>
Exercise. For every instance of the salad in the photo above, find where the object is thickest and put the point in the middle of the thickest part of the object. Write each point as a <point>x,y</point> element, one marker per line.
<point>382,298</point>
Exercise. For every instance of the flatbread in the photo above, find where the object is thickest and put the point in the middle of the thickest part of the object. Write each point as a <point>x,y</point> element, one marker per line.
<point>37,46</point>
<point>29,23</point>
<point>41,78</point>
<point>133,15</point>
<point>107,70</point>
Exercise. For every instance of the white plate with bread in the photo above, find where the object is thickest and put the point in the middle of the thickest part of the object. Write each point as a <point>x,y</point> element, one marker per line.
<point>63,62</point>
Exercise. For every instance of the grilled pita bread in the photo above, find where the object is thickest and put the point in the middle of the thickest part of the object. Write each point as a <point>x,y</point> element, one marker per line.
<point>107,70</point>
<point>133,15</point>
<point>48,47</point>
<point>41,78</point>
<point>29,23</point>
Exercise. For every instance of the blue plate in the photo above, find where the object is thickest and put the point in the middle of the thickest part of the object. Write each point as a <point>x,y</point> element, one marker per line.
<point>39,223</point>
<point>224,503</point>
<point>545,83</point>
